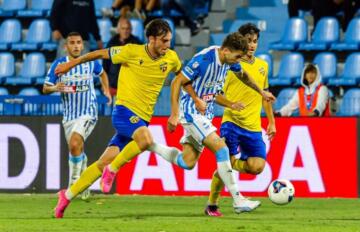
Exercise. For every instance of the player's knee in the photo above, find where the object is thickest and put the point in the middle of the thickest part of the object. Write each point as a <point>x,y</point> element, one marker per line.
<point>145,143</point>
<point>75,146</point>
<point>256,169</point>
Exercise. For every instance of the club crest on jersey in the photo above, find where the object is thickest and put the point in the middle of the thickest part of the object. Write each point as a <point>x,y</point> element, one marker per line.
<point>134,119</point>
<point>115,51</point>
<point>262,71</point>
<point>163,67</point>
<point>195,64</point>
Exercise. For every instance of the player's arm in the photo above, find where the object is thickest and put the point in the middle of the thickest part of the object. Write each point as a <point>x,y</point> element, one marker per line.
<point>200,105</point>
<point>58,87</point>
<point>247,80</point>
<point>220,99</point>
<point>271,128</point>
<point>51,83</point>
<point>105,86</point>
<point>98,54</point>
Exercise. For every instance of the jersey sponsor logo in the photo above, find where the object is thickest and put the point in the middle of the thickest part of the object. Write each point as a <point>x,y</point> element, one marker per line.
<point>76,88</point>
<point>211,84</point>
<point>189,70</point>
<point>115,51</point>
<point>163,66</point>
<point>208,97</point>
<point>75,77</point>
<point>134,119</point>
<point>262,71</point>
<point>195,64</point>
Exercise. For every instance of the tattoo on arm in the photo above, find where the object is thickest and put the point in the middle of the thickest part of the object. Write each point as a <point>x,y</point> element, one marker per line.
<point>245,78</point>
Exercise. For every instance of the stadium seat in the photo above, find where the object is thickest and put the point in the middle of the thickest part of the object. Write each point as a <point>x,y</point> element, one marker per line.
<point>101,4</point>
<point>7,66</point>
<point>291,66</point>
<point>326,32</point>
<point>217,39</point>
<point>138,29</point>
<point>37,8</point>
<point>283,98</point>
<point>351,73</point>
<point>230,25</point>
<point>30,91</point>
<point>268,58</point>
<point>162,107</point>
<point>3,91</point>
<point>351,38</point>
<point>10,7</point>
<point>33,67</point>
<point>327,64</point>
<point>295,32</point>
<point>105,29</point>
<point>10,32</point>
<point>350,105</point>
<point>39,32</point>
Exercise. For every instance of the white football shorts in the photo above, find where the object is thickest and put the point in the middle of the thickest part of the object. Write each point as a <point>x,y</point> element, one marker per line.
<point>83,125</point>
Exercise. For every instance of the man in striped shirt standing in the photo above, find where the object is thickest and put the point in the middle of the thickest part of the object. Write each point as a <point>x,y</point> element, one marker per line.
<point>79,102</point>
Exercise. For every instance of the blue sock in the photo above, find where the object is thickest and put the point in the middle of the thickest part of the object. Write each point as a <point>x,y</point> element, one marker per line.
<point>222,154</point>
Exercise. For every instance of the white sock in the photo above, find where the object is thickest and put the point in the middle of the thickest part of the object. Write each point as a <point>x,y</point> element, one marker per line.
<point>227,175</point>
<point>168,153</point>
<point>75,163</point>
<point>69,195</point>
<point>84,162</point>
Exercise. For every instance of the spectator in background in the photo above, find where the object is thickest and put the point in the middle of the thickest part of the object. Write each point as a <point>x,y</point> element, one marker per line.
<point>74,15</point>
<point>123,37</point>
<point>132,8</point>
<point>312,99</point>
<point>294,6</point>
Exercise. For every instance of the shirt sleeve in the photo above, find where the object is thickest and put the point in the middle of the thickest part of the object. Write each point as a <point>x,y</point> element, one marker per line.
<point>51,78</point>
<point>192,68</point>
<point>235,67</point>
<point>120,54</point>
<point>98,69</point>
<point>291,106</point>
<point>266,83</point>
<point>323,98</point>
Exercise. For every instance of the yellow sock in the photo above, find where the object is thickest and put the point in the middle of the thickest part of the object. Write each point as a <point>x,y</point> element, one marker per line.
<point>239,165</point>
<point>126,155</point>
<point>216,187</point>
<point>89,176</point>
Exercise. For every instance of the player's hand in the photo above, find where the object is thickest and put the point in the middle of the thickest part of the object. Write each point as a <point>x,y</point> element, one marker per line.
<point>200,105</point>
<point>237,106</point>
<point>64,68</point>
<point>56,35</point>
<point>108,96</point>
<point>60,87</point>
<point>271,131</point>
<point>172,123</point>
<point>268,96</point>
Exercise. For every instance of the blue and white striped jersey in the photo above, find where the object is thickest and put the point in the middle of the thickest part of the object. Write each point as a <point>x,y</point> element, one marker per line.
<point>80,96</point>
<point>207,75</point>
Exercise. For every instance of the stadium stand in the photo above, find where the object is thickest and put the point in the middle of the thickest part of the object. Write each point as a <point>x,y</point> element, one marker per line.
<point>10,32</point>
<point>7,69</point>
<point>351,73</point>
<point>327,64</point>
<point>284,96</point>
<point>351,38</point>
<point>350,105</point>
<point>291,66</point>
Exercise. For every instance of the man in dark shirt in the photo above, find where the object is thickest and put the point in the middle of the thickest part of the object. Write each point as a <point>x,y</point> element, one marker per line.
<point>74,15</point>
<point>123,37</point>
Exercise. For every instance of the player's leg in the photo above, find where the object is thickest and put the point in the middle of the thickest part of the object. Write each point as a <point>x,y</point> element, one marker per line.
<point>88,177</point>
<point>76,157</point>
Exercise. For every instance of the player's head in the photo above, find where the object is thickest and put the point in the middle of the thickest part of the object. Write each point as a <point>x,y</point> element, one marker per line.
<point>124,28</point>
<point>74,44</point>
<point>233,48</point>
<point>252,34</point>
<point>158,33</point>
<point>310,74</point>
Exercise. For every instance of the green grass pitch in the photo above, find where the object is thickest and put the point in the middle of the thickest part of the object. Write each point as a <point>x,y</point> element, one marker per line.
<point>25,213</point>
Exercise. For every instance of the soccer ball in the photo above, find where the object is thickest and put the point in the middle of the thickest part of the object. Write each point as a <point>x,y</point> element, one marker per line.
<point>281,192</point>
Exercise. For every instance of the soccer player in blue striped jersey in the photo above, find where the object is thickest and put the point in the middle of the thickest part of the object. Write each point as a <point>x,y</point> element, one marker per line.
<point>79,102</point>
<point>203,78</point>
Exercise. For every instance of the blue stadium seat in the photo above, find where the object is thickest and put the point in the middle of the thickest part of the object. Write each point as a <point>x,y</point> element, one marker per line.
<point>326,32</point>
<point>29,91</point>
<point>39,32</point>
<point>351,73</point>
<point>105,29</point>
<point>37,8</point>
<point>100,4</point>
<point>350,105</point>
<point>351,38</point>
<point>172,26</point>
<point>7,66</point>
<point>3,91</point>
<point>10,7</point>
<point>33,67</point>
<point>283,98</point>
<point>10,32</point>
<point>268,58</point>
<point>138,29</point>
<point>230,25</point>
<point>295,32</point>
<point>327,64</point>
<point>162,107</point>
<point>217,39</point>
<point>291,66</point>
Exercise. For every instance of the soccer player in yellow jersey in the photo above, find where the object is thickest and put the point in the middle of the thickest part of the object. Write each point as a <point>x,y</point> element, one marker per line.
<point>242,129</point>
<point>142,74</point>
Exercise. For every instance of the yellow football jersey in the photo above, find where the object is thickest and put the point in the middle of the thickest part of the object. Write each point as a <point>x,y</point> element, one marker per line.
<point>235,90</point>
<point>141,77</point>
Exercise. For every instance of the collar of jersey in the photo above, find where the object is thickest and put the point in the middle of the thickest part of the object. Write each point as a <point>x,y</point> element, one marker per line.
<point>248,61</point>
<point>151,57</point>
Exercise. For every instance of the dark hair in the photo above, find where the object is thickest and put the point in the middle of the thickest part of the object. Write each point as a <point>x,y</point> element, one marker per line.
<point>309,68</point>
<point>73,33</point>
<point>249,28</point>
<point>157,27</point>
<point>235,42</point>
